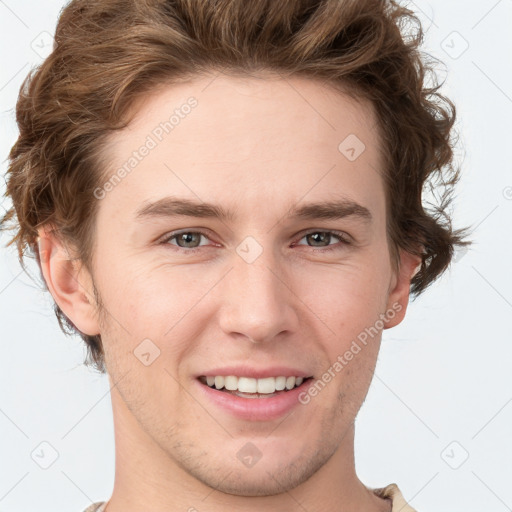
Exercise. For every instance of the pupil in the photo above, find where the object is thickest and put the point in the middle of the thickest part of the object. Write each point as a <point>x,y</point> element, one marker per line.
<point>315,236</point>
<point>186,237</point>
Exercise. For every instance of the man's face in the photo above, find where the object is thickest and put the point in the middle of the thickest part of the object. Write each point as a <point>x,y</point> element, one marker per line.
<point>264,291</point>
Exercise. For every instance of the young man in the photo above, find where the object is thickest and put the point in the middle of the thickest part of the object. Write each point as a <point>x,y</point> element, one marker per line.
<point>225,202</point>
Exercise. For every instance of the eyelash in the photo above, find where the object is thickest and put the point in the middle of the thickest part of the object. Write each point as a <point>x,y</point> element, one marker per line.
<point>338,234</point>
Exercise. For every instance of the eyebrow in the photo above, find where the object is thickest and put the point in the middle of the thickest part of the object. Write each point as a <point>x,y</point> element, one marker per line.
<point>172,206</point>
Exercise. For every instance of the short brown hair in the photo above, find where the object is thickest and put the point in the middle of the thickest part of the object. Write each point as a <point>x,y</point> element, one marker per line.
<point>109,53</point>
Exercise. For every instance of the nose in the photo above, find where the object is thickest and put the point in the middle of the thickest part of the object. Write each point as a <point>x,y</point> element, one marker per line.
<point>257,300</point>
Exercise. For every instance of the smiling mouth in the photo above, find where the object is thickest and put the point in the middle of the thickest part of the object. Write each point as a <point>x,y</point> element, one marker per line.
<point>246,387</point>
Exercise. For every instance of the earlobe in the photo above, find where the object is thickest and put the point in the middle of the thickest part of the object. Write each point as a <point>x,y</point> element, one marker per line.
<point>67,282</point>
<point>398,298</point>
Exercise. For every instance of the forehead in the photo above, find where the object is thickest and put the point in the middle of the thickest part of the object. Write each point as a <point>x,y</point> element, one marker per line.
<point>247,141</point>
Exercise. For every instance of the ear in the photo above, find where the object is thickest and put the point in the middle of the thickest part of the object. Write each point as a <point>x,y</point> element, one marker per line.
<point>398,298</point>
<point>68,281</point>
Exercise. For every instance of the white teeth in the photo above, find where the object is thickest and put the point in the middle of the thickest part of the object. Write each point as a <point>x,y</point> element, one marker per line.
<point>280,383</point>
<point>231,383</point>
<point>290,383</point>
<point>267,385</point>
<point>247,385</point>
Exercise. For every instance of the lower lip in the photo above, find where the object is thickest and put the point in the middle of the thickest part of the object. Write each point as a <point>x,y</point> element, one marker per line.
<point>256,409</point>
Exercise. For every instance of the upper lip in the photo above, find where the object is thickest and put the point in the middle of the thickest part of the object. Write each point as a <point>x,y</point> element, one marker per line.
<point>256,373</point>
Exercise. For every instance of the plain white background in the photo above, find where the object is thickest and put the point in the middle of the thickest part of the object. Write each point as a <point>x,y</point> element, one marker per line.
<point>438,416</point>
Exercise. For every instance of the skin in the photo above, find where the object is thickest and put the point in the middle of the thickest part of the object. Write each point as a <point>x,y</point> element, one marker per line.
<point>249,142</point>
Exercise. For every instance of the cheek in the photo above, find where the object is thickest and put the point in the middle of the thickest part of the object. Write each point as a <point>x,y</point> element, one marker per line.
<point>156,303</point>
<point>345,303</point>
<point>149,329</point>
<point>353,292</point>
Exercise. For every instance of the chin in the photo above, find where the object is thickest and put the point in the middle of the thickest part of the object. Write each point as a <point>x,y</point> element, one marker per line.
<point>262,484</point>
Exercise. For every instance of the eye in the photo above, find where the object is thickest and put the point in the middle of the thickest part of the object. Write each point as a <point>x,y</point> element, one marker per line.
<point>185,239</point>
<point>324,237</point>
